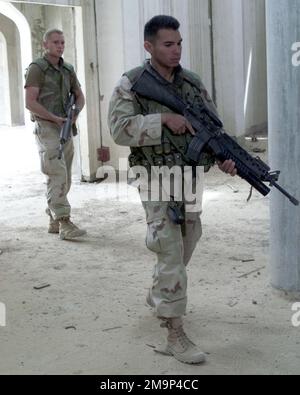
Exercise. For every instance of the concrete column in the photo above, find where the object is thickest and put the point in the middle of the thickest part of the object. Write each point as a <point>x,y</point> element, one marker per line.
<point>113,29</point>
<point>283,29</point>
<point>88,73</point>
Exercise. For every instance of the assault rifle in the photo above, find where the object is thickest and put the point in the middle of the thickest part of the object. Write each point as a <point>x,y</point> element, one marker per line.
<point>66,130</point>
<point>210,136</point>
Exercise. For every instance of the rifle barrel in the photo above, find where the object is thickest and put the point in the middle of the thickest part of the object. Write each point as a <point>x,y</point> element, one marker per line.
<point>290,197</point>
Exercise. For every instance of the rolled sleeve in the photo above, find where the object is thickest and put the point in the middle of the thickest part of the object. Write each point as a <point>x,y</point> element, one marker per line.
<point>34,77</point>
<point>127,126</point>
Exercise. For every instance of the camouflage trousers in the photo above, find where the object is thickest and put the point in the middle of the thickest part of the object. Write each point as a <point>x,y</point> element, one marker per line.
<point>58,172</point>
<point>174,246</point>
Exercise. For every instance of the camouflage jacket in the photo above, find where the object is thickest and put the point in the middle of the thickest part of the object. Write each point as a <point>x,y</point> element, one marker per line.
<point>136,122</point>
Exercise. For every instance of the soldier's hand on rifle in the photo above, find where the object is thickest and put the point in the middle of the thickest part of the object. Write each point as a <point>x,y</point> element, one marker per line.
<point>228,167</point>
<point>177,124</point>
<point>75,114</point>
<point>59,121</point>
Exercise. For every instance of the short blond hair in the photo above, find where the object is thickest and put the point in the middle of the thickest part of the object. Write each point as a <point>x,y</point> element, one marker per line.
<point>50,32</point>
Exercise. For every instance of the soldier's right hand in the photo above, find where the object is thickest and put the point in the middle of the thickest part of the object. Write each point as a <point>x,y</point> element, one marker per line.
<point>59,121</point>
<point>177,124</point>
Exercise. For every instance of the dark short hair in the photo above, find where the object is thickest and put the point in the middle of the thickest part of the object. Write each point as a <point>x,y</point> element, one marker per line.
<point>157,23</point>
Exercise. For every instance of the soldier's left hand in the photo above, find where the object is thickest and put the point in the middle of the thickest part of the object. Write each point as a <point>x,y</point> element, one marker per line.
<point>228,167</point>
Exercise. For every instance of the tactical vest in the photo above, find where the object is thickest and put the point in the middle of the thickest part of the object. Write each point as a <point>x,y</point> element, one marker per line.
<point>56,87</point>
<point>173,148</point>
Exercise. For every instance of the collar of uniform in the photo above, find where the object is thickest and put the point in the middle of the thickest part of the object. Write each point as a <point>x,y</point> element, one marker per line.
<point>60,62</point>
<point>178,73</point>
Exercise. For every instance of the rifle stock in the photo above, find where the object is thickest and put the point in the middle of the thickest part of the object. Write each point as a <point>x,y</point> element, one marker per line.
<point>210,136</point>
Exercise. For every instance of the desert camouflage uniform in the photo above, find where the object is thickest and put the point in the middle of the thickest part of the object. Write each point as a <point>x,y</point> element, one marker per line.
<point>173,244</point>
<point>55,84</point>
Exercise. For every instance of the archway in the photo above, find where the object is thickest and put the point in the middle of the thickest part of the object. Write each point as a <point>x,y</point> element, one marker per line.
<point>5,113</point>
<point>23,27</point>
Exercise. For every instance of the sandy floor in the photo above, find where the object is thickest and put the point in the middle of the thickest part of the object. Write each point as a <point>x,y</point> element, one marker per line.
<point>91,318</point>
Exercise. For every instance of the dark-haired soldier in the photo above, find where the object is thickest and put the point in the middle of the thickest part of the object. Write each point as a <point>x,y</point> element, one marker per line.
<point>141,124</point>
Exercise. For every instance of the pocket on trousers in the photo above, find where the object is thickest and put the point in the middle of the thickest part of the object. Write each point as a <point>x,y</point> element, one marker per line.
<point>50,164</point>
<point>44,163</point>
<point>152,238</point>
<point>155,211</point>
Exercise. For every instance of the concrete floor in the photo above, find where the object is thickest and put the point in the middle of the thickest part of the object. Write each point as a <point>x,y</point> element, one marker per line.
<point>92,317</point>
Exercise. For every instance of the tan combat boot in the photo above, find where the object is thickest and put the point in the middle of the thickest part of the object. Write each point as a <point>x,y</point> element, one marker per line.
<point>68,230</point>
<point>53,223</point>
<point>179,345</point>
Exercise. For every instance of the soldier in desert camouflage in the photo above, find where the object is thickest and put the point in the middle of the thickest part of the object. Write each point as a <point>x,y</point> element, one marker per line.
<point>49,82</point>
<point>142,125</point>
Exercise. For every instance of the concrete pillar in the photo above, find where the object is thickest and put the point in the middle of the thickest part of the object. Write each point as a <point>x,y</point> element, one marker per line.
<point>88,73</point>
<point>112,33</point>
<point>283,30</point>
